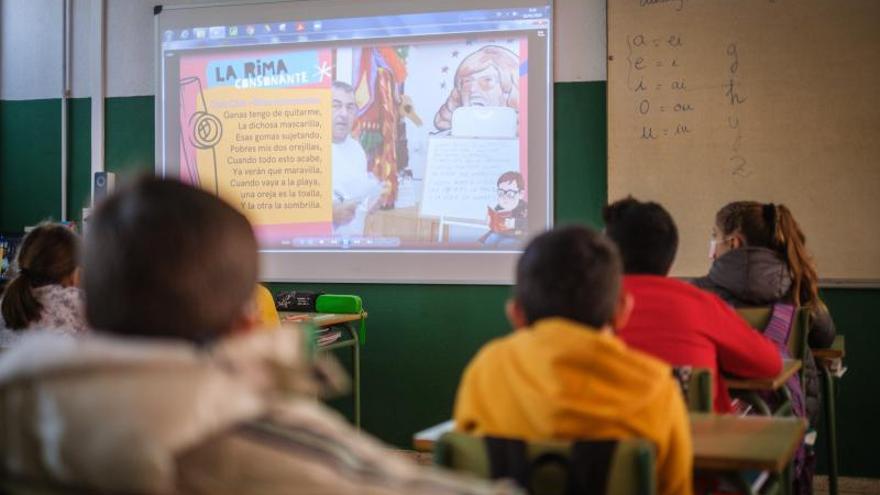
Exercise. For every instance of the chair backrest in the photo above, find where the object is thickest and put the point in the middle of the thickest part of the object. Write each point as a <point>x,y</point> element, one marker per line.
<point>20,487</point>
<point>759,317</point>
<point>599,467</point>
<point>696,387</point>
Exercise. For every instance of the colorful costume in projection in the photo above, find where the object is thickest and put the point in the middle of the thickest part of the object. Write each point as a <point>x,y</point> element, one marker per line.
<point>380,75</point>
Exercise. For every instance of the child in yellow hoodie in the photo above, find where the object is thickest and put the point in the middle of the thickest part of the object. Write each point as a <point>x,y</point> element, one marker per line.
<point>563,374</point>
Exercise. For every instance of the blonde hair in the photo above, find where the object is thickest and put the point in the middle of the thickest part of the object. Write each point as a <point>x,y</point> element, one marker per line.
<point>504,61</point>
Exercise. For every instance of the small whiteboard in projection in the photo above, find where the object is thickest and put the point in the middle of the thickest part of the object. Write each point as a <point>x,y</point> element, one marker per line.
<point>461,175</point>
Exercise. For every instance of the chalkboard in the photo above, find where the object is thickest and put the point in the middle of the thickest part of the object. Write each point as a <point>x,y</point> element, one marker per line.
<point>774,101</point>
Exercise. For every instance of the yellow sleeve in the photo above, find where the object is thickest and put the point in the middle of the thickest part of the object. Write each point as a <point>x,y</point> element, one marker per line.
<point>466,398</point>
<point>675,470</point>
<point>266,308</point>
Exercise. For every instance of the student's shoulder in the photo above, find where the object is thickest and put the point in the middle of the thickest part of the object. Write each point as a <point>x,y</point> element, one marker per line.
<point>657,283</point>
<point>642,361</point>
<point>497,346</point>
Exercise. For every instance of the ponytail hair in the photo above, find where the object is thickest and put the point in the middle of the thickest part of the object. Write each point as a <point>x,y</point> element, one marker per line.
<point>773,227</point>
<point>791,238</point>
<point>47,255</point>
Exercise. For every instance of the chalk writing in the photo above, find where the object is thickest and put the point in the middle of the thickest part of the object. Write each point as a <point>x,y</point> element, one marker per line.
<point>737,162</point>
<point>653,61</point>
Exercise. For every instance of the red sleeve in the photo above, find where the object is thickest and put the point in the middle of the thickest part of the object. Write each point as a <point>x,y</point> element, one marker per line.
<point>742,350</point>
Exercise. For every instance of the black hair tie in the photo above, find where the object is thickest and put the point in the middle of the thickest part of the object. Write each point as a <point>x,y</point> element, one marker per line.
<point>769,213</point>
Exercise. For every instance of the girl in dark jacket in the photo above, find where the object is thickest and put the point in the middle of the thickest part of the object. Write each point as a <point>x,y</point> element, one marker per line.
<point>760,258</point>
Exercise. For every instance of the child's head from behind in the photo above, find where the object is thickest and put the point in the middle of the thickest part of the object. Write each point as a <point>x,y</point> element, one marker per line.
<point>571,272</point>
<point>163,259</point>
<point>645,234</point>
<point>770,226</point>
<point>48,254</point>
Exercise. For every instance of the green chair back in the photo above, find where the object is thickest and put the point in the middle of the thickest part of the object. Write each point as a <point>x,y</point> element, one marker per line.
<point>759,317</point>
<point>631,467</point>
<point>20,487</point>
<point>696,387</point>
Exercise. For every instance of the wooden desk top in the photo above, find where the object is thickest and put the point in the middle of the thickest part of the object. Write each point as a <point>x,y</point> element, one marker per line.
<point>789,368</point>
<point>424,440</point>
<point>731,443</point>
<point>836,351</point>
<point>721,442</point>
<point>319,319</point>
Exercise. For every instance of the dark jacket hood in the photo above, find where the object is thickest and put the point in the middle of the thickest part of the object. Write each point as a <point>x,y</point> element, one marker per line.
<point>751,276</point>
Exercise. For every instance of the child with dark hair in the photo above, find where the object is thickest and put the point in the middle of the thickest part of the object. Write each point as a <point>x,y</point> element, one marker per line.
<point>760,258</point>
<point>672,320</point>
<point>44,295</point>
<point>173,393</point>
<point>563,374</point>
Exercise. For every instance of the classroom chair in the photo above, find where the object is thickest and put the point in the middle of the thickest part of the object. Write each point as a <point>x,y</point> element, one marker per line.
<point>21,487</point>
<point>550,467</point>
<point>696,387</point>
<point>758,318</point>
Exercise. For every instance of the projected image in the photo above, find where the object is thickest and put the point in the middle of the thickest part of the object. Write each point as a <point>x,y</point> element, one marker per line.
<point>414,144</point>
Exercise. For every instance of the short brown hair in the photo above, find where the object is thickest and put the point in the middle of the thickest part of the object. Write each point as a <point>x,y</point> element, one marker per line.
<point>164,259</point>
<point>571,272</point>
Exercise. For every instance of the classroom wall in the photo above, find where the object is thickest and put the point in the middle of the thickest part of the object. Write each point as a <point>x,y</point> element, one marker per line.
<point>419,337</point>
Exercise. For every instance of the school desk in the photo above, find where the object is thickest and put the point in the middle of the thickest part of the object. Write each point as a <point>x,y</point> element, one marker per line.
<point>723,443</point>
<point>749,388</point>
<point>789,368</point>
<point>350,338</point>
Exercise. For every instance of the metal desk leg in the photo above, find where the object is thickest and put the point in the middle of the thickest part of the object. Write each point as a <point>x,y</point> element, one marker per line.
<point>356,364</point>
<point>830,428</point>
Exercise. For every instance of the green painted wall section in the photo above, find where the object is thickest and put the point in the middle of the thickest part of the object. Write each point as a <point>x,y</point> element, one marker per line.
<point>419,337</point>
<point>30,157</point>
<point>30,154</point>
<point>857,316</point>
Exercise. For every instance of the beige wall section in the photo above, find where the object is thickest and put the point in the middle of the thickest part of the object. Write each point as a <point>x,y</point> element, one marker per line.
<point>579,47</point>
<point>30,40</point>
<point>770,101</point>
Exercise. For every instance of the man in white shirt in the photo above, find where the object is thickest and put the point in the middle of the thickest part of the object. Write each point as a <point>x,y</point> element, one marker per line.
<point>355,189</point>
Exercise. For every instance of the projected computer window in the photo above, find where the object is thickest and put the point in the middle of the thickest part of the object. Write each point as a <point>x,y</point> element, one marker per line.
<point>411,132</point>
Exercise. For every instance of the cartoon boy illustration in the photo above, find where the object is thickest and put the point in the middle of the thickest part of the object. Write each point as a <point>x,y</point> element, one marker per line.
<point>507,220</point>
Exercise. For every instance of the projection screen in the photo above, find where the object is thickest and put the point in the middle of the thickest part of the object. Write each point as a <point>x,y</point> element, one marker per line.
<point>366,141</point>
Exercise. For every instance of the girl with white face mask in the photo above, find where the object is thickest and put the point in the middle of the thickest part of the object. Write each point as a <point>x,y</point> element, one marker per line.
<point>759,259</point>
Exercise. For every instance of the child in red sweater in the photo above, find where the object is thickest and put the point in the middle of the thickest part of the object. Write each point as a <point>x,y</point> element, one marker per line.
<point>673,320</point>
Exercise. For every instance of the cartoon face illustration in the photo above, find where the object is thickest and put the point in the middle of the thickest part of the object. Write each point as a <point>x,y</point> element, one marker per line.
<point>509,195</point>
<point>486,77</point>
<point>482,88</point>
